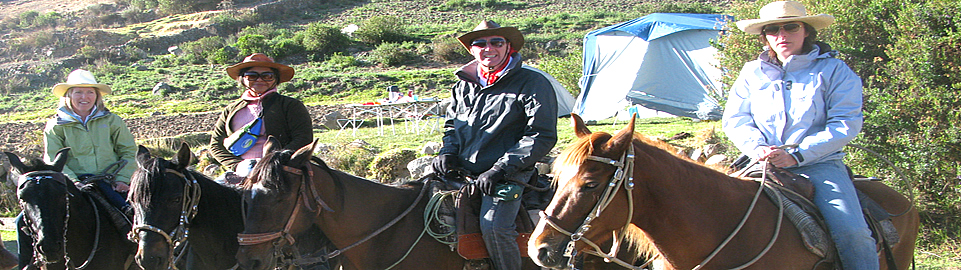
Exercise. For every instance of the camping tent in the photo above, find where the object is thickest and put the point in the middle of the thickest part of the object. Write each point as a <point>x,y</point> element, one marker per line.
<point>662,61</point>
<point>565,101</point>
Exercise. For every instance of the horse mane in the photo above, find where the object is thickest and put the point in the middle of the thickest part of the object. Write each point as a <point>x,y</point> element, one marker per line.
<point>140,185</point>
<point>267,172</point>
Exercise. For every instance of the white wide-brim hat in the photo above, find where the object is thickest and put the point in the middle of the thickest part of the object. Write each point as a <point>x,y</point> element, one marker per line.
<point>783,11</point>
<point>80,78</point>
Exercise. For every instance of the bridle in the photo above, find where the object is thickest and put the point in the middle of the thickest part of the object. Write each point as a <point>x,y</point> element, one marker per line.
<point>623,176</point>
<point>179,236</point>
<point>278,238</point>
<point>624,171</point>
<point>284,237</point>
<point>37,176</point>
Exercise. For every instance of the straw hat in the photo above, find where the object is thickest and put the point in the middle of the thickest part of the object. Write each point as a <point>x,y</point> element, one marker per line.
<point>784,11</point>
<point>491,28</point>
<point>80,78</point>
<point>261,60</point>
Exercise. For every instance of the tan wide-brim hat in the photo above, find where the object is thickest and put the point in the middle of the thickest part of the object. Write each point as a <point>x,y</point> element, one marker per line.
<point>261,60</point>
<point>784,11</point>
<point>491,28</point>
<point>80,78</point>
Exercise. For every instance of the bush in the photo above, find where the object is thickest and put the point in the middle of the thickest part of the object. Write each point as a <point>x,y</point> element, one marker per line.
<point>394,54</point>
<point>249,44</point>
<point>225,55</point>
<point>322,40</point>
<point>339,61</point>
<point>566,69</point>
<point>382,29</point>
<point>448,49</point>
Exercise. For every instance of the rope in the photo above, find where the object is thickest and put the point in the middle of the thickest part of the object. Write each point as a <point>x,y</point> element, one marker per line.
<point>897,171</point>
<point>431,213</point>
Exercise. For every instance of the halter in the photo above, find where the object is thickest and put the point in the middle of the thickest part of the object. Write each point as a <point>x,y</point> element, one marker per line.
<point>36,177</point>
<point>179,236</point>
<point>623,175</point>
<point>278,237</point>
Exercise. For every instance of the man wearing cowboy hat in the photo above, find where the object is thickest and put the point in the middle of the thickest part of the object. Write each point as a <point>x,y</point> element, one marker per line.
<point>280,116</point>
<point>798,93</point>
<point>502,120</point>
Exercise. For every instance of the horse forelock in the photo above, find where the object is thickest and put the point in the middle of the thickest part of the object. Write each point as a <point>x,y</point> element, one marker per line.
<point>142,183</point>
<point>268,173</point>
<point>570,160</point>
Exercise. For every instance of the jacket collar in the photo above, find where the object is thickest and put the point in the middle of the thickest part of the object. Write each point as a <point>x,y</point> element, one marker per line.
<point>66,116</point>
<point>798,62</point>
<point>468,72</point>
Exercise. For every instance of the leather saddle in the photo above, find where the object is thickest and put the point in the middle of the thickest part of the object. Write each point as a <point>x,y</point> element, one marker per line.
<point>796,194</point>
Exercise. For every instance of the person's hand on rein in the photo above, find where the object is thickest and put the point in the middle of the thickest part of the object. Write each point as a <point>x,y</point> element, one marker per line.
<point>489,179</point>
<point>777,157</point>
<point>444,164</point>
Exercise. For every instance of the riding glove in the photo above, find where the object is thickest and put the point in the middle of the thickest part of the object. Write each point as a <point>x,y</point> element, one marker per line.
<point>444,164</point>
<point>489,179</point>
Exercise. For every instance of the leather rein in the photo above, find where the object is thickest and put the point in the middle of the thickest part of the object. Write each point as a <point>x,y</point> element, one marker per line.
<point>180,235</point>
<point>34,176</point>
<point>624,171</point>
<point>304,197</point>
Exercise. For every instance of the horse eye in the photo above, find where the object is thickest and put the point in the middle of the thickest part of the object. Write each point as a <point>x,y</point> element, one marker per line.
<point>591,185</point>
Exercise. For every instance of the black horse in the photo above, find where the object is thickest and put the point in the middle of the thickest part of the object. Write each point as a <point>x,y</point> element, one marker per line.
<point>66,227</point>
<point>176,209</point>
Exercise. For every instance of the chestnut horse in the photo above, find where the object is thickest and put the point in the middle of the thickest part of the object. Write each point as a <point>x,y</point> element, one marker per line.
<point>169,201</point>
<point>68,228</point>
<point>375,226</point>
<point>685,211</point>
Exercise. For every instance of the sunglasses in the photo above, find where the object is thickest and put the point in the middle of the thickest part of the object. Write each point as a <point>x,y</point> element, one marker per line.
<point>253,76</point>
<point>774,29</point>
<point>494,42</point>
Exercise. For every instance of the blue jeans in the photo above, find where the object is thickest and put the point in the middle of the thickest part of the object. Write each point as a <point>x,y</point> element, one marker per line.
<point>836,198</point>
<point>500,234</point>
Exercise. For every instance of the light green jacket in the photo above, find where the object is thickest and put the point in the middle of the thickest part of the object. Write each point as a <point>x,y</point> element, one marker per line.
<point>104,139</point>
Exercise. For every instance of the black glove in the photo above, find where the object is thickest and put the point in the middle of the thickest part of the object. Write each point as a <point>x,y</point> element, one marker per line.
<point>489,179</point>
<point>444,164</point>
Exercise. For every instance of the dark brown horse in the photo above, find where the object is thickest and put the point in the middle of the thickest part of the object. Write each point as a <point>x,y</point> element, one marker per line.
<point>684,210</point>
<point>68,229</point>
<point>374,226</point>
<point>175,206</point>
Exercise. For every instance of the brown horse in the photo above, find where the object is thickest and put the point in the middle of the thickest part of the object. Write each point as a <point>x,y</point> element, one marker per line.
<point>374,226</point>
<point>684,210</point>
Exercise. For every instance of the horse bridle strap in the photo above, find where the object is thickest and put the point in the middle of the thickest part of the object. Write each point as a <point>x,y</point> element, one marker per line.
<point>623,175</point>
<point>180,234</point>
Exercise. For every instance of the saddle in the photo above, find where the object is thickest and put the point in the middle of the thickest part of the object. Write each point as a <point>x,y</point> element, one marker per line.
<point>797,194</point>
<point>462,210</point>
<point>119,217</point>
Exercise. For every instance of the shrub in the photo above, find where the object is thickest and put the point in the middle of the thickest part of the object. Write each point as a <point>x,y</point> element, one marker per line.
<point>447,49</point>
<point>321,39</point>
<point>339,61</point>
<point>394,54</point>
<point>391,165</point>
<point>283,47</point>
<point>223,55</point>
<point>382,29</point>
<point>249,44</point>
<point>566,69</point>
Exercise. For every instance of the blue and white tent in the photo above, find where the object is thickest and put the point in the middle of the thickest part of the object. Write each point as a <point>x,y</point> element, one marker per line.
<point>662,61</point>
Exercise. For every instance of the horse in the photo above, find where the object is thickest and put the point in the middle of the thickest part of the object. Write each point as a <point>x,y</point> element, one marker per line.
<point>178,211</point>
<point>372,225</point>
<point>688,214</point>
<point>68,229</point>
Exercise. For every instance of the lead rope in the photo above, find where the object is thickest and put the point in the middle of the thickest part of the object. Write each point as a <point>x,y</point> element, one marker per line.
<point>96,238</point>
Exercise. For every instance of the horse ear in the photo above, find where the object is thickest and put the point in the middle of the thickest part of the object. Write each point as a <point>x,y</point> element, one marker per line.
<point>143,154</point>
<point>625,137</point>
<point>184,156</point>
<point>271,145</point>
<point>60,159</point>
<point>302,156</point>
<point>15,162</point>
<point>580,129</point>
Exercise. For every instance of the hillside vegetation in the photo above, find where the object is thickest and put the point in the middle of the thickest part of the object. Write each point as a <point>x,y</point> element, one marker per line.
<point>908,52</point>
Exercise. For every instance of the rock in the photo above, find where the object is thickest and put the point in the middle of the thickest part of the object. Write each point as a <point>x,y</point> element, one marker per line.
<point>161,89</point>
<point>349,29</point>
<point>175,50</point>
<point>715,160</point>
<point>391,166</point>
<point>431,148</point>
<point>330,120</point>
<point>420,167</point>
<point>358,143</point>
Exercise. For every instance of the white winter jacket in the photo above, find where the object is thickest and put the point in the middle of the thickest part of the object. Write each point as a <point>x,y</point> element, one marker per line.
<point>813,100</point>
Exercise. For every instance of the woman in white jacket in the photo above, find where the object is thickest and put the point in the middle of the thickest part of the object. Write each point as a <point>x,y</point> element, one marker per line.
<point>797,93</point>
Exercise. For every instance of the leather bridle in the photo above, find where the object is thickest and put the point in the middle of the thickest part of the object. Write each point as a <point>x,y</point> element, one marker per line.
<point>37,176</point>
<point>180,235</point>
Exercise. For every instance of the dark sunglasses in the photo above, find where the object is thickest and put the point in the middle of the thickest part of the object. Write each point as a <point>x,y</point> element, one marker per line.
<point>253,76</point>
<point>494,42</point>
<point>774,29</point>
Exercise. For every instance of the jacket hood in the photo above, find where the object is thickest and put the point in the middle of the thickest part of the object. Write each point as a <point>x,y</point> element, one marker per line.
<point>66,116</point>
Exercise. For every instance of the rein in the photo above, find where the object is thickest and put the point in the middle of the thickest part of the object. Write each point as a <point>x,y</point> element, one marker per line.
<point>260,238</point>
<point>179,236</point>
<point>66,222</point>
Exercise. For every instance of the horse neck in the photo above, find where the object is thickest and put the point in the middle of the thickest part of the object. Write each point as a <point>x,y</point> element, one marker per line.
<point>704,201</point>
<point>219,208</point>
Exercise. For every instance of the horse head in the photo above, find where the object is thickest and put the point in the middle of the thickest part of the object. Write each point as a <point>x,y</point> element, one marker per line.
<point>45,193</point>
<point>275,207</point>
<point>163,199</point>
<point>588,176</point>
